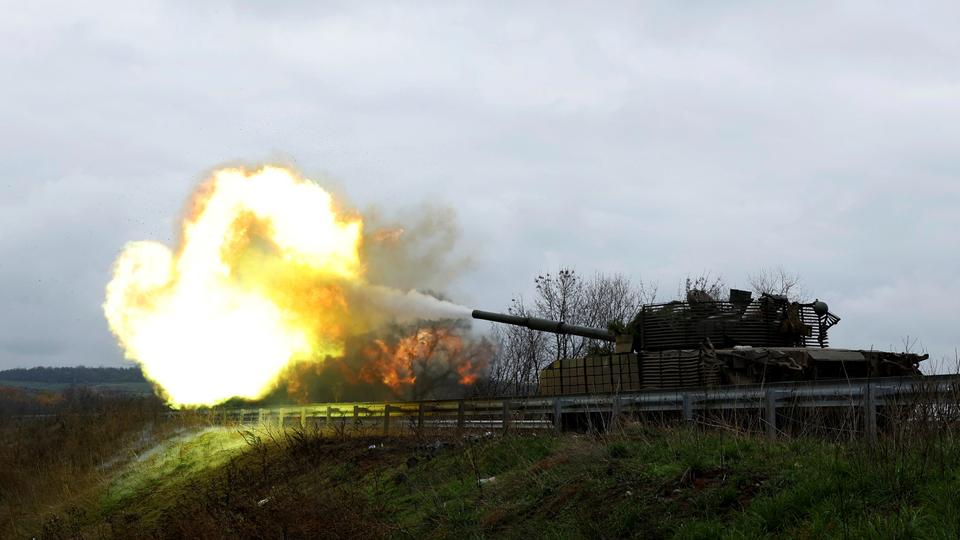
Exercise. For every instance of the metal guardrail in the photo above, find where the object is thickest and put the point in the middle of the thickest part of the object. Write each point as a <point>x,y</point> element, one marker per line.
<point>864,395</point>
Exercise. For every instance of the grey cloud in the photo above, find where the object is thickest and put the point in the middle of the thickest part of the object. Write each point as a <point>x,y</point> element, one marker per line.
<point>655,138</point>
<point>31,349</point>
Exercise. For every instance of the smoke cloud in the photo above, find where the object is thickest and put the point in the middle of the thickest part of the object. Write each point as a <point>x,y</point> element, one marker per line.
<point>414,248</point>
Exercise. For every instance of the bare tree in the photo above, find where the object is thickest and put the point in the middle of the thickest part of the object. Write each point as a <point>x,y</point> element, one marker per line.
<point>613,298</point>
<point>560,297</point>
<point>612,301</point>
<point>778,281</point>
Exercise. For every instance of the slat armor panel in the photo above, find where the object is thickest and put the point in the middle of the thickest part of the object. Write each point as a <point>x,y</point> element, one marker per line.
<point>681,325</point>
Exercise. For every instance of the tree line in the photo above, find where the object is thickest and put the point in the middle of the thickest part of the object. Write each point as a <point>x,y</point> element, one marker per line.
<point>74,375</point>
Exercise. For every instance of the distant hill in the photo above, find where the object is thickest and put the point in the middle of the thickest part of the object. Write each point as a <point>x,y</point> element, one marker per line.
<point>74,375</point>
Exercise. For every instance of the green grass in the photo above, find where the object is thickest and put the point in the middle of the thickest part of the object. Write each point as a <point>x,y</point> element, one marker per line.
<point>171,465</point>
<point>640,483</point>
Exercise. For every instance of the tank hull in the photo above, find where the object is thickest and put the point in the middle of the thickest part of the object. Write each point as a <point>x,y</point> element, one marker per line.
<point>706,367</point>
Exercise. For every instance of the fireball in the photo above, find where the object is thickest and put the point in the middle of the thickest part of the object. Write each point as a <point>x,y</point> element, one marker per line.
<point>259,281</point>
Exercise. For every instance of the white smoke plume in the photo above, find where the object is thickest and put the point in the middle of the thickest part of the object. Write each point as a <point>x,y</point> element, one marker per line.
<point>408,306</point>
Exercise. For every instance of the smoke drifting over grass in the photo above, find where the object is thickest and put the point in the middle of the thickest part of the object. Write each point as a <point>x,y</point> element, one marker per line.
<point>417,360</point>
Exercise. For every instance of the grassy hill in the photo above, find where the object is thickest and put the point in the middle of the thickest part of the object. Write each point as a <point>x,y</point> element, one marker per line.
<point>640,482</point>
<point>97,465</point>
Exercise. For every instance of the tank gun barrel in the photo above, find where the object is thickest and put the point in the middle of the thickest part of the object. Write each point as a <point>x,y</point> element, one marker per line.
<point>546,325</point>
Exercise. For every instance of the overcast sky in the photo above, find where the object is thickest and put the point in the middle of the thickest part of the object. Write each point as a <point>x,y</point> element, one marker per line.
<point>657,139</point>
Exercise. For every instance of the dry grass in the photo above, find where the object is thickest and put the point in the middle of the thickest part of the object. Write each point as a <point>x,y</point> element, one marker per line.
<point>56,449</point>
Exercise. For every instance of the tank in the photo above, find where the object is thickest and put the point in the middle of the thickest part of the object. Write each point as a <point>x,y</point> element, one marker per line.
<point>703,342</point>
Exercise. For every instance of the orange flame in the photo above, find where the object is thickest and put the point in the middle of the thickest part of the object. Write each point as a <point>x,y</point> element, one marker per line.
<point>468,373</point>
<point>424,351</point>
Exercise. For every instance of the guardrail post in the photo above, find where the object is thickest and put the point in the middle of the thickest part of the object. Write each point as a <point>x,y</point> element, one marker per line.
<point>615,413</point>
<point>506,415</point>
<point>303,417</point>
<point>329,419</point>
<point>281,416</point>
<point>260,417</point>
<point>243,416</point>
<point>687,408</point>
<point>460,415</point>
<point>420,416</point>
<point>557,414</point>
<point>386,419</point>
<point>356,415</point>
<point>770,413</point>
<point>870,412</point>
